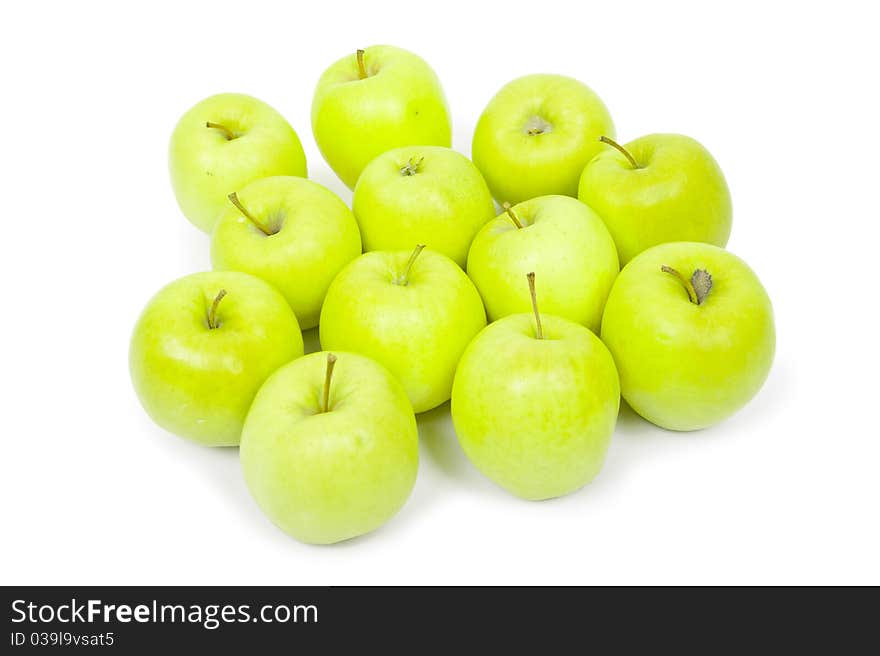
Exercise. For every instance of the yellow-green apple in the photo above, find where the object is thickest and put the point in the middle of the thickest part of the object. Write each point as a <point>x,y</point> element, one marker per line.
<point>292,233</point>
<point>691,329</point>
<point>374,100</point>
<point>537,134</point>
<point>559,238</point>
<point>330,447</point>
<point>419,194</point>
<point>535,402</point>
<point>657,189</point>
<point>203,346</point>
<point>414,314</point>
<point>223,143</point>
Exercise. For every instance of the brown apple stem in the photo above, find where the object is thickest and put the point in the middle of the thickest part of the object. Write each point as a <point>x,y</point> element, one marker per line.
<point>697,287</point>
<point>692,295</point>
<point>403,279</point>
<point>539,330</point>
<point>233,198</point>
<point>611,142</point>
<point>331,362</point>
<point>212,312</point>
<point>362,69</point>
<point>512,215</point>
<point>229,134</point>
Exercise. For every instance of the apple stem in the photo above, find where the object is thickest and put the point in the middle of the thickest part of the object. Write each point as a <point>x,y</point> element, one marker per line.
<point>539,330</point>
<point>229,134</point>
<point>697,287</point>
<point>403,279</point>
<point>233,198</point>
<point>362,69</point>
<point>688,287</point>
<point>510,213</point>
<point>212,312</point>
<point>412,166</point>
<point>611,142</point>
<point>331,362</point>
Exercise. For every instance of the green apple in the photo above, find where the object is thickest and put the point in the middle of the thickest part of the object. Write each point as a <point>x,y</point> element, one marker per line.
<point>292,233</point>
<point>223,143</point>
<point>657,189</point>
<point>535,402</point>
<point>559,238</point>
<point>329,449</point>
<point>421,194</point>
<point>203,346</point>
<point>375,100</point>
<point>537,134</point>
<point>691,329</point>
<point>412,314</point>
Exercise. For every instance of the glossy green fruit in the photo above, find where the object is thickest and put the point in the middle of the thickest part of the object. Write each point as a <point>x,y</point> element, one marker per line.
<point>536,135</point>
<point>396,100</point>
<point>197,357</point>
<point>223,143</point>
<point>567,246</point>
<point>292,233</point>
<point>414,314</point>
<point>328,473</point>
<point>422,195</point>
<point>536,415</point>
<point>675,192</point>
<point>691,330</point>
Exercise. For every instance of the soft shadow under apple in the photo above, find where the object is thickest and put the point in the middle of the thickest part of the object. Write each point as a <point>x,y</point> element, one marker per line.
<point>438,440</point>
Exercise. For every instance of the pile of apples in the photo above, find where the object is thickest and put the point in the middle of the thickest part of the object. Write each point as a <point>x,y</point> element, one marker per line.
<point>403,285</point>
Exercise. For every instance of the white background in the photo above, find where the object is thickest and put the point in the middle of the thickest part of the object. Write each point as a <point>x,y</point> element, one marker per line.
<point>784,95</point>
